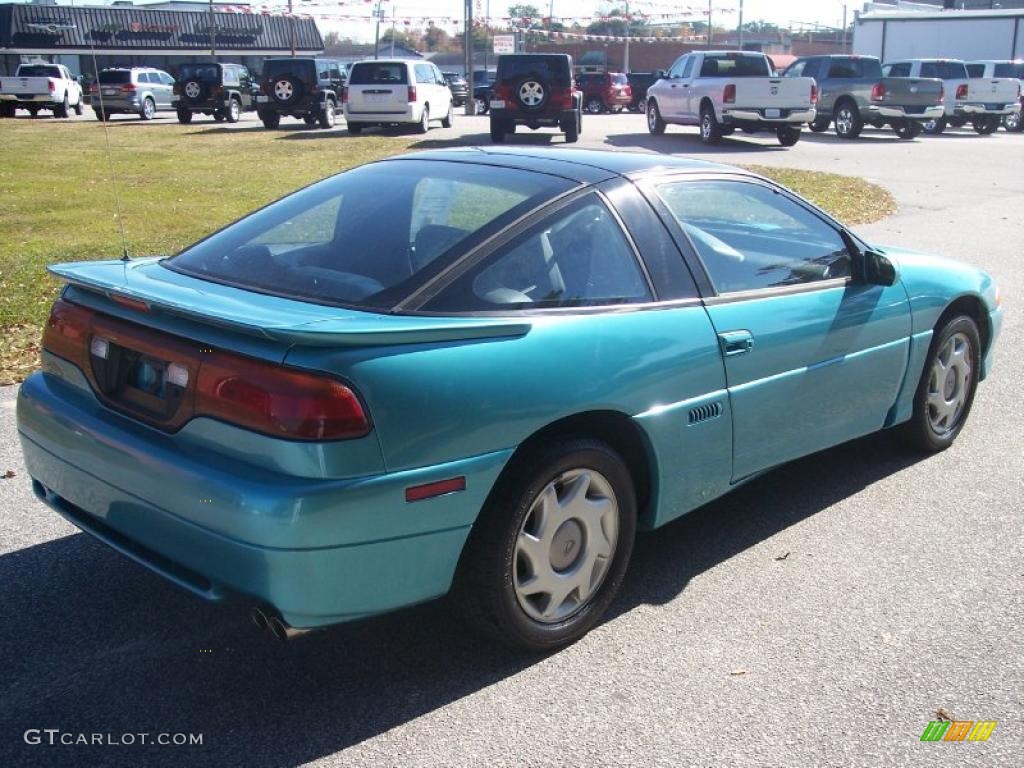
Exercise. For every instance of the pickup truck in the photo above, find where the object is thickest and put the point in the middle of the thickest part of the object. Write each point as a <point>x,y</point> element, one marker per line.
<point>1001,68</point>
<point>40,86</point>
<point>721,91</point>
<point>852,93</point>
<point>982,103</point>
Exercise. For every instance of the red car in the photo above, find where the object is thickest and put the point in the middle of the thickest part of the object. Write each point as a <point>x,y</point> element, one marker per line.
<point>608,92</point>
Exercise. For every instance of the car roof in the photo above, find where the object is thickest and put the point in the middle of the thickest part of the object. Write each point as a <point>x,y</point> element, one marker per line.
<point>586,166</point>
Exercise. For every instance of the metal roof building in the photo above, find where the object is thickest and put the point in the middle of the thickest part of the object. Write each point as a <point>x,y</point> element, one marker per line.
<point>953,34</point>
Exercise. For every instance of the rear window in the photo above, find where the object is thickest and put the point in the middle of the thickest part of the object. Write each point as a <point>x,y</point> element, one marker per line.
<point>553,69</point>
<point>115,76</point>
<point>944,70</point>
<point>368,237</point>
<point>735,65</point>
<point>273,67</point>
<point>38,70</point>
<point>1010,69</point>
<point>207,73</point>
<point>619,80</point>
<point>374,73</point>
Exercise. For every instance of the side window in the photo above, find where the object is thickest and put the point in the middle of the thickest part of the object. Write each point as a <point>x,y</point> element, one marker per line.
<point>323,70</point>
<point>578,257</point>
<point>314,226</point>
<point>930,69</point>
<point>335,72</point>
<point>976,70</point>
<point>230,76</point>
<point>687,67</point>
<point>166,79</point>
<point>750,236</point>
<point>676,70</point>
<point>843,69</point>
<point>796,69</point>
<point>423,74</point>
<point>901,69</point>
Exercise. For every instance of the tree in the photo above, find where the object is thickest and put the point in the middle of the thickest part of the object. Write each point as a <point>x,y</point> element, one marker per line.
<point>523,11</point>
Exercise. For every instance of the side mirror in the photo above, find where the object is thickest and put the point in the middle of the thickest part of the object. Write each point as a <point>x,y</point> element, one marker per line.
<point>878,270</point>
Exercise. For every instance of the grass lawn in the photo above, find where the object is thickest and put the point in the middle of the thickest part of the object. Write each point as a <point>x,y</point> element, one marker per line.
<point>178,183</point>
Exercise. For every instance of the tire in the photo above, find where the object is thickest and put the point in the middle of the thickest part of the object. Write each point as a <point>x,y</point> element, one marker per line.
<point>788,135</point>
<point>481,106</point>
<point>327,117</point>
<point>937,421</point>
<point>907,130</point>
<point>271,120</point>
<point>820,124</point>
<point>148,110</point>
<point>79,105</point>
<point>518,533</point>
<point>449,120</point>
<point>101,115</point>
<point>530,93</point>
<point>424,124</point>
<point>641,106</point>
<point>286,89</point>
<point>310,120</point>
<point>572,131</point>
<point>848,122</point>
<point>7,110</point>
<point>218,117</point>
<point>355,128</point>
<point>498,130</point>
<point>934,127</point>
<point>184,116</point>
<point>234,111</point>
<point>1012,123</point>
<point>985,125</point>
<point>61,110</point>
<point>655,124</point>
<point>193,90</point>
<point>710,128</point>
<point>33,111</point>
<point>594,105</point>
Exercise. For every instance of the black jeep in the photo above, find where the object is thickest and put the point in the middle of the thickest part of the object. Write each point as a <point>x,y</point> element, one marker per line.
<point>221,90</point>
<point>309,89</point>
<point>535,89</point>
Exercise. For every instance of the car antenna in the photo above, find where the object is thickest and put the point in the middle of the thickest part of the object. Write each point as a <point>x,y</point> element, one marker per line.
<point>105,119</point>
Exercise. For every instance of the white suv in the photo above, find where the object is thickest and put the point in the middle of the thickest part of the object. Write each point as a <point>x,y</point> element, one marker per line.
<point>389,92</point>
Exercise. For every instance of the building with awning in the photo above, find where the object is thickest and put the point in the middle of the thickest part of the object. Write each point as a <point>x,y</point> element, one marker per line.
<point>129,35</point>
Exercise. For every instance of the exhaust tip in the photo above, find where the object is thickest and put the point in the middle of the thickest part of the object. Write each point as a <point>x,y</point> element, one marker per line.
<point>260,619</point>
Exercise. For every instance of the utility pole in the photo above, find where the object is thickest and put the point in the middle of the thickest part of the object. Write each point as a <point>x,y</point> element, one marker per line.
<point>376,36</point>
<point>844,28</point>
<point>625,57</point>
<point>394,10</point>
<point>709,25</point>
<point>468,56</point>
<point>291,28</point>
<point>213,34</point>
<point>741,25</point>
<point>487,33</point>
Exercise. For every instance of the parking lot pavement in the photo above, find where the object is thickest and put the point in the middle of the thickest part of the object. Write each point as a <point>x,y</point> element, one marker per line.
<point>820,615</point>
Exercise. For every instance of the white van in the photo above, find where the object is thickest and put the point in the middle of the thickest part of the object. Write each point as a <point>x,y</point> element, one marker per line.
<point>384,92</point>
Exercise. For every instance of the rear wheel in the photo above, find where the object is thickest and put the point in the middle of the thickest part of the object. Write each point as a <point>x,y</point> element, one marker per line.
<point>1012,122</point>
<point>184,116</point>
<point>820,124</point>
<point>148,110</point>
<point>481,106</point>
<point>710,128</point>
<point>310,120</point>
<point>355,128</point>
<point>788,135</point>
<point>655,124</point>
<point>498,130</point>
<point>61,110</point>
<point>551,546</point>
<point>327,116</point>
<point>33,111</point>
<point>848,121</point>
<point>7,110</point>
<point>424,124</point>
<point>218,117</point>
<point>985,125</point>
<point>572,130</point>
<point>595,105</point>
<point>934,127</point>
<point>908,129</point>
<point>946,390</point>
<point>449,120</point>
<point>271,120</point>
<point>101,115</point>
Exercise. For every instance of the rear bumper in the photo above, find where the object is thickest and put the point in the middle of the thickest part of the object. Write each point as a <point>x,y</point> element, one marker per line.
<point>200,106</point>
<point>319,551</point>
<point>971,110</point>
<point>755,115</point>
<point>40,100</point>
<point>900,113</point>
<point>550,119</point>
<point>411,114</point>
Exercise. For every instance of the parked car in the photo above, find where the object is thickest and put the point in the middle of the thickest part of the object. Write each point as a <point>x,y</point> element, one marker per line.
<point>224,91</point>
<point>539,354</point>
<point>459,87</point>
<point>721,91</point>
<point>852,93</point>
<point>605,92</point>
<point>982,103</point>
<point>535,90</point>
<point>1001,68</point>
<point>311,89</point>
<point>483,89</point>
<point>142,91</point>
<point>639,82</point>
<point>398,92</point>
<point>40,86</point>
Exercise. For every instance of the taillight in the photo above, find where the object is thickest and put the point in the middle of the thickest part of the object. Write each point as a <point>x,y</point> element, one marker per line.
<point>264,89</point>
<point>561,98</point>
<point>942,94</point>
<point>412,93</point>
<point>729,94</point>
<point>66,332</point>
<point>128,88</point>
<point>878,92</point>
<point>961,91</point>
<point>814,93</point>
<point>94,89</point>
<point>176,89</point>
<point>277,401</point>
<point>51,85</point>
<point>344,94</point>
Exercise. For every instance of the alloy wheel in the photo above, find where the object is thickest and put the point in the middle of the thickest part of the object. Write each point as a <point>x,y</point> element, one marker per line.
<point>283,90</point>
<point>949,384</point>
<point>844,121</point>
<point>531,93</point>
<point>192,89</point>
<point>565,545</point>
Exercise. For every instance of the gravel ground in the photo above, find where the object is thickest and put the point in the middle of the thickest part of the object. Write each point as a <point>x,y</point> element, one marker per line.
<point>818,616</point>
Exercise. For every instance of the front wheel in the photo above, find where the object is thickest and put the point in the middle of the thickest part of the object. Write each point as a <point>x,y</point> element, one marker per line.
<point>934,127</point>
<point>655,124</point>
<point>848,121</point>
<point>481,106</point>
<point>908,129</point>
<point>788,135</point>
<point>551,546</point>
<point>946,390</point>
<point>234,111</point>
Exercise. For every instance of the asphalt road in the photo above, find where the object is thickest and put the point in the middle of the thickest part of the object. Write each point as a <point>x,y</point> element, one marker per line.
<point>818,616</point>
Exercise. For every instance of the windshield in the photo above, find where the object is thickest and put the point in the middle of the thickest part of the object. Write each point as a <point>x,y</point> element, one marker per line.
<point>370,236</point>
<point>735,65</point>
<point>38,70</point>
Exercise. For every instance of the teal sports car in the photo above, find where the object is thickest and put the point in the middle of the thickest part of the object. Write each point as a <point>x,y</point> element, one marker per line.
<point>479,372</point>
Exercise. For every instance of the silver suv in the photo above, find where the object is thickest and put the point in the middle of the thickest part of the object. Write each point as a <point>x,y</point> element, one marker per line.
<point>138,90</point>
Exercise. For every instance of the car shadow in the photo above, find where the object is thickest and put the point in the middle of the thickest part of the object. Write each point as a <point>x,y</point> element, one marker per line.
<point>689,143</point>
<point>94,643</point>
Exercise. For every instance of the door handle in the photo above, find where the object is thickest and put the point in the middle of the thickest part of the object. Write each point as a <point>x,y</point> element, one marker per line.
<point>673,85</point>
<point>736,342</point>
<point>686,85</point>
